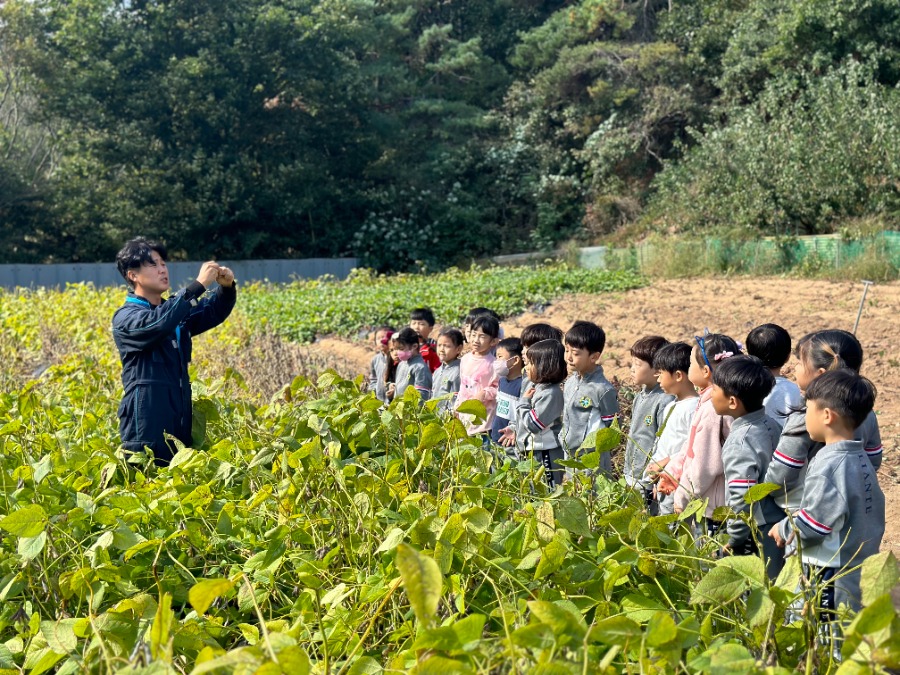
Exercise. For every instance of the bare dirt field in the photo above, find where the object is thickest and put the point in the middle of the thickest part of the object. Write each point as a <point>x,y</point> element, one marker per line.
<point>679,309</point>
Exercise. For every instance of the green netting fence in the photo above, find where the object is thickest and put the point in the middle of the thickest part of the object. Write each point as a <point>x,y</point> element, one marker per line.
<point>878,254</point>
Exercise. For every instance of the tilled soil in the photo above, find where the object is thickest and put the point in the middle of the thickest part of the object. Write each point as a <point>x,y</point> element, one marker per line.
<point>680,309</point>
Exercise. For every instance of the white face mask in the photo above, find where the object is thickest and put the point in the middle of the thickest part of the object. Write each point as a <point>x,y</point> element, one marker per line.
<point>502,368</point>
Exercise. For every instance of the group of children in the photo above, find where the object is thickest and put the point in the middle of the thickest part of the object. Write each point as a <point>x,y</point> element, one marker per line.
<point>708,422</point>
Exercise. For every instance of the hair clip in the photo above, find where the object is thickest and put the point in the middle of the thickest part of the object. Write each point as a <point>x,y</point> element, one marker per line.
<point>721,356</point>
<point>740,345</point>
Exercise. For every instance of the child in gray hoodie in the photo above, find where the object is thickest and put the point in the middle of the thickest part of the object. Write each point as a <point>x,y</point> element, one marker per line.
<point>591,402</point>
<point>740,385</point>
<point>840,521</point>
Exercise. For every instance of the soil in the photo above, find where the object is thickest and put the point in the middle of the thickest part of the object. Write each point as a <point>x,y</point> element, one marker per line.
<point>679,309</point>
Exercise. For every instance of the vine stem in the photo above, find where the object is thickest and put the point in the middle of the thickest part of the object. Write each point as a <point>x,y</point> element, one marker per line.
<point>394,585</point>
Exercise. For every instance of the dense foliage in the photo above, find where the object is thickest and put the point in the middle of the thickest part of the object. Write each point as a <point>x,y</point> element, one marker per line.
<point>429,133</point>
<point>322,533</point>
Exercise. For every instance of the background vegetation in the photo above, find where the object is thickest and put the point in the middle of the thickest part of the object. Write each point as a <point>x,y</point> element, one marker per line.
<point>412,133</point>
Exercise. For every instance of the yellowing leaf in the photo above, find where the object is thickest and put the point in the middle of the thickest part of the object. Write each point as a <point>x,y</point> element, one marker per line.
<point>422,580</point>
<point>28,521</point>
<point>203,593</point>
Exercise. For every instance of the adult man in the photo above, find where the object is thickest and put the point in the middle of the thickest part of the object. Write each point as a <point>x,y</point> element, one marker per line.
<point>154,341</point>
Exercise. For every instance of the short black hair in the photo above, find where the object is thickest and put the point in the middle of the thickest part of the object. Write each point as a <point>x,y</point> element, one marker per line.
<point>645,348</point>
<point>512,345</point>
<point>540,331</point>
<point>770,343</point>
<point>547,362</point>
<point>712,345</point>
<point>455,335</point>
<point>422,314</point>
<point>136,253</point>
<point>478,311</point>
<point>846,392</point>
<point>673,357</point>
<point>486,324</point>
<point>746,378</point>
<point>407,336</point>
<point>586,335</point>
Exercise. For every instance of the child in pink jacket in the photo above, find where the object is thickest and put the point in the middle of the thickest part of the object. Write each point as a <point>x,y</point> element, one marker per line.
<point>479,378</point>
<point>697,471</point>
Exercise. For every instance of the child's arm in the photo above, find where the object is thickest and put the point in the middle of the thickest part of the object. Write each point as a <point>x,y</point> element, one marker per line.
<point>790,456</point>
<point>609,408</point>
<point>871,437</point>
<point>538,413</point>
<point>421,380</point>
<point>741,474</point>
<point>706,467</point>
<point>821,515</point>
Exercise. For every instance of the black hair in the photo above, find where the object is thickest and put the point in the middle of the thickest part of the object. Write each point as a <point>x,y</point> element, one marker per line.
<point>390,371</point>
<point>586,335</point>
<point>547,362</point>
<point>385,328</point>
<point>540,331</point>
<point>770,343</point>
<point>478,311</point>
<point>455,335</point>
<point>512,345</point>
<point>136,253</point>
<point>746,378</point>
<point>846,392</point>
<point>486,324</point>
<point>407,336</point>
<point>831,350</point>
<point>711,345</point>
<point>645,348</point>
<point>673,357</point>
<point>422,314</point>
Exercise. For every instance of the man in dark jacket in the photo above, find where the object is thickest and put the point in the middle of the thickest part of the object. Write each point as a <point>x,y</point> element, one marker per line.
<point>154,341</point>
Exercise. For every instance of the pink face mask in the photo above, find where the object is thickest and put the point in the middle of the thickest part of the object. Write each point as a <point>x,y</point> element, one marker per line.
<point>405,355</point>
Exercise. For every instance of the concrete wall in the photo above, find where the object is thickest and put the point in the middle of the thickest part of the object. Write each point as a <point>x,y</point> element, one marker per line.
<point>106,274</point>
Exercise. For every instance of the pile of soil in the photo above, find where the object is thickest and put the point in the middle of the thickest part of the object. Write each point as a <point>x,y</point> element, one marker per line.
<point>680,309</point>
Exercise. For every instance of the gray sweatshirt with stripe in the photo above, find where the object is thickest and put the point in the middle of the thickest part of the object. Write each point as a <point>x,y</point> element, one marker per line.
<point>646,420</point>
<point>415,373</point>
<point>796,449</point>
<point>538,419</point>
<point>840,521</point>
<point>746,455</point>
<point>591,403</point>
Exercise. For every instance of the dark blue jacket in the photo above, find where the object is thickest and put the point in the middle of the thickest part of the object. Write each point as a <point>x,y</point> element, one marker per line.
<point>155,348</point>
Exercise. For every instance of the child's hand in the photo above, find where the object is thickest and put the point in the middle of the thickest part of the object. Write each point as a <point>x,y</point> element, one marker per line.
<point>507,437</point>
<point>775,533</point>
<point>389,392</point>
<point>529,393</point>
<point>667,484</point>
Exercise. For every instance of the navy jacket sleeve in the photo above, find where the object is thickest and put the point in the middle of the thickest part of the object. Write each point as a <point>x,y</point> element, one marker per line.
<point>210,312</point>
<point>137,329</point>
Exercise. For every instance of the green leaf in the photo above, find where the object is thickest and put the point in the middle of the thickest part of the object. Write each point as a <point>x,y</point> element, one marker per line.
<point>477,518</point>
<point>759,492</point>
<point>60,635</point>
<point>615,630</point>
<point>473,407</point>
<point>394,537</point>
<point>640,607</point>
<point>572,514</point>
<point>552,557</point>
<point>203,593</point>
<point>534,636</point>
<point>879,575</point>
<point>422,581</point>
<point>439,665</point>
<point>469,630</point>
<point>365,665</point>
<point>28,521</point>
<point>432,435</point>
<point>661,629</point>
<point>561,620</point>
<point>30,547</point>
<point>728,579</point>
<point>161,629</point>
